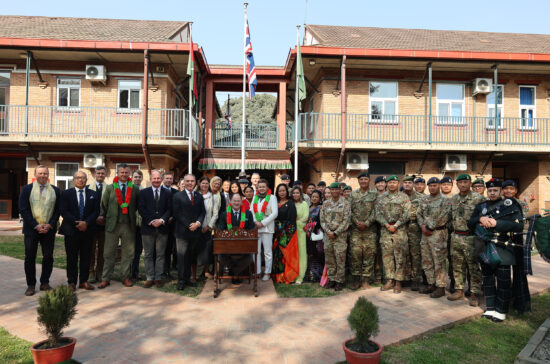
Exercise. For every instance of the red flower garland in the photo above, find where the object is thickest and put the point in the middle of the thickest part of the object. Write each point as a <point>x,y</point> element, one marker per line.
<point>118,194</point>
<point>260,216</point>
<point>228,217</point>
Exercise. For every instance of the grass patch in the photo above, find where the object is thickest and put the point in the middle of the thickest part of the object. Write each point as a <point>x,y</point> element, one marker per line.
<point>16,350</point>
<point>14,246</point>
<point>313,290</point>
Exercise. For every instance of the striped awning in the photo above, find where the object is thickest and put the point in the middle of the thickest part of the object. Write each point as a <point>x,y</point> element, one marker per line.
<point>233,163</point>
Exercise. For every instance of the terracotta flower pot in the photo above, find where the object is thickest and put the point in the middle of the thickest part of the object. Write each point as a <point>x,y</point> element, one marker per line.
<point>353,357</point>
<point>54,355</point>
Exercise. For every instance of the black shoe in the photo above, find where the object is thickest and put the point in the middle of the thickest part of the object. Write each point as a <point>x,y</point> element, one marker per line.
<point>30,291</point>
<point>181,286</point>
<point>494,319</point>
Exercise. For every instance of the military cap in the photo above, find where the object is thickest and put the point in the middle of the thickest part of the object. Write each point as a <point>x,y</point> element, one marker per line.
<point>322,183</point>
<point>433,180</point>
<point>408,178</point>
<point>446,180</point>
<point>509,182</point>
<point>334,185</point>
<point>479,181</point>
<point>380,179</point>
<point>464,177</point>
<point>242,180</point>
<point>284,177</point>
<point>348,188</point>
<point>393,177</point>
<point>493,182</point>
<point>363,174</point>
<point>297,183</point>
<point>343,184</point>
<point>420,180</point>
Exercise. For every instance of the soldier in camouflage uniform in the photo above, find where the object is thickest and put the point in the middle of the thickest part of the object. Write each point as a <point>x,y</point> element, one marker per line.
<point>462,241</point>
<point>479,186</point>
<point>446,184</point>
<point>392,213</point>
<point>420,185</point>
<point>413,268</point>
<point>363,232</point>
<point>335,219</point>
<point>380,188</point>
<point>433,216</point>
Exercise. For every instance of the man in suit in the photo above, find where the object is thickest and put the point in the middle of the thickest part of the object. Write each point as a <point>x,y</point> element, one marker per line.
<point>79,208</point>
<point>155,208</point>
<point>118,210</point>
<point>39,207</point>
<point>188,211</point>
<point>170,252</point>
<point>98,240</point>
<point>137,178</point>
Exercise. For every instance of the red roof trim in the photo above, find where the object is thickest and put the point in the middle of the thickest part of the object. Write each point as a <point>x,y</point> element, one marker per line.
<point>239,71</point>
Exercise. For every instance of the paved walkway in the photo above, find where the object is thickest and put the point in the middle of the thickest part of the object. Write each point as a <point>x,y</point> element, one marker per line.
<point>138,325</point>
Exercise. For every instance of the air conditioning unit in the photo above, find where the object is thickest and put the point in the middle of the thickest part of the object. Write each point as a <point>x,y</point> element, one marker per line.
<point>456,162</point>
<point>96,73</point>
<point>357,160</point>
<point>92,160</point>
<point>482,86</point>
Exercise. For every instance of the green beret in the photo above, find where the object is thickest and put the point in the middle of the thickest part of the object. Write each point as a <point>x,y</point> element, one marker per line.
<point>479,181</point>
<point>464,177</point>
<point>334,185</point>
<point>408,178</point>
<point>363,174</point>
<point>348,188</point>
<point>393,177</point>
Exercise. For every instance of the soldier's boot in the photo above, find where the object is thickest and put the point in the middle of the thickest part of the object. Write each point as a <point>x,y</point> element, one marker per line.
<point>452,285</point>
<point>428,289</point>
<point>459,294</point>
<point>339,286</point>
<point>365,283</point>
<point>439,292</point>
<point>474,300</point>
<point>356,283</point>
<point>397,288</point>
<point>415,285</point>
<point>389,285</point>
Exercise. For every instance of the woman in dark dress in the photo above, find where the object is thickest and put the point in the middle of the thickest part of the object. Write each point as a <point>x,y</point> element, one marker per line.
<point>314,236</point>
<point>285,240</point>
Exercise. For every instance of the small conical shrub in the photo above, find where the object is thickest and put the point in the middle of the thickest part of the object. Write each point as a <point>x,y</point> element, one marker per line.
<point>363,320</point>
<point>56,309</point>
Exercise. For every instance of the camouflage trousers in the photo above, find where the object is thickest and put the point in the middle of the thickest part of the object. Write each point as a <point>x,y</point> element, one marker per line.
<point>462,253</point>
<point>335,257</point>
<point>362,249</point>
<point>394,250</point>
<point>434,255</point>
<point>413,264</point>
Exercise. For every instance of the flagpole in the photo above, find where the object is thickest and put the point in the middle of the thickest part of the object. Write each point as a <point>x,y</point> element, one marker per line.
<point>190,139</point>
<point>296,116</point>
<point>243,124</point>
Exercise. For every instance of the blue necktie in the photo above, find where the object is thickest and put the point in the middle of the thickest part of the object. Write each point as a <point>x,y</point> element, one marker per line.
<point>81,203</point>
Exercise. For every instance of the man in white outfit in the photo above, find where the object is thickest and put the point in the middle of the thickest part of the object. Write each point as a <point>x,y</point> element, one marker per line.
<point>264,218</point>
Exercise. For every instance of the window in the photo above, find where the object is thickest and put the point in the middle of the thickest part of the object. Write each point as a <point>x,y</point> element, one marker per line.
<point>450,103</point>
<point>64,175</point>
<point>383,102</point>
<point>129,92</point>
<point>386,168</point>
<point>68,92</point>
<point>491,107</point>
<point>527,107</point>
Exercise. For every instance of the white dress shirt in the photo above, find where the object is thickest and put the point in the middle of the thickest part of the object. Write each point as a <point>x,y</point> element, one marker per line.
<point>78,195</point>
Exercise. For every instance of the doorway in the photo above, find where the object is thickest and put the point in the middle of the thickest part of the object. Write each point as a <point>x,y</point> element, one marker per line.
<point>12,179</point>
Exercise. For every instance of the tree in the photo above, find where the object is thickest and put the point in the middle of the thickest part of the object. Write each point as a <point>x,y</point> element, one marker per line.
<point>258,110</point>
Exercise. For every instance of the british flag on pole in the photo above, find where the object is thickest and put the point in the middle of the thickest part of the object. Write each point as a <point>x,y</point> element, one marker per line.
<point>250,66</point>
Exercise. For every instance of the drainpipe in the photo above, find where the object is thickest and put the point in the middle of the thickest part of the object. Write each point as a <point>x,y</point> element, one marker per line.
<point>145,109</point>
<point>342,116</point>
<point>28,70</point>
<point>495,90</point>
<point>430,102</point>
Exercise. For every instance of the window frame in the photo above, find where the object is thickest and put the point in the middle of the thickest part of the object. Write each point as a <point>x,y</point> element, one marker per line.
<point>489,121</point>
<point>68,179</point>
<point>528,107</point>
<point>69,87</point>
<point>128,109</point>
<point>383,119</point>
<point>439,101</point>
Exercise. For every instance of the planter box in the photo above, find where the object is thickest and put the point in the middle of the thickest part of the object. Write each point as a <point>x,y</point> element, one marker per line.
<point>540,339</point>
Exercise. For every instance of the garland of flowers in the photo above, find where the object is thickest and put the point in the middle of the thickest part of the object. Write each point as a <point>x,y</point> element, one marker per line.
<point>123,205</point>
<point>260,215</point>
<point>228,217</point>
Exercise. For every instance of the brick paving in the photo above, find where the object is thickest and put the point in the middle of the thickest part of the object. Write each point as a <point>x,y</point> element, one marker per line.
<point>138,325</point>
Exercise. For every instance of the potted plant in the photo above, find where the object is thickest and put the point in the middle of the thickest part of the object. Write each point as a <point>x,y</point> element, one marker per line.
<point>56,309</point>
<point>363,321</point>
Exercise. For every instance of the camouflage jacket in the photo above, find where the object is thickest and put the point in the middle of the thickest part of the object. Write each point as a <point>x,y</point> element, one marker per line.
<point>362,207</point>
<point>335,215</point>
<point>434,212</point>
<point>462,208</point>
<point>393,208</point>
<point>416,199</point>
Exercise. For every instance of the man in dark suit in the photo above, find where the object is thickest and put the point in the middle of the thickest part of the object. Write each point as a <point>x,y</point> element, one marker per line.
<point>98,240</point>
<point>79,208</point>
<point>39,207</point>
<point>170,251</point>
<point>155,208</point>
<point>188,210</point>
<point>120,224</point>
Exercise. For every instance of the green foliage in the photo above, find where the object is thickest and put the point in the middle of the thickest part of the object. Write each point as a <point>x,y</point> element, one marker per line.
<point>258,110</point>
<point>56,309</point>
<point>363,320</point>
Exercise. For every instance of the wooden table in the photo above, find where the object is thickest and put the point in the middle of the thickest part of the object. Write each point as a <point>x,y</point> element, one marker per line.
<point>235,241</point>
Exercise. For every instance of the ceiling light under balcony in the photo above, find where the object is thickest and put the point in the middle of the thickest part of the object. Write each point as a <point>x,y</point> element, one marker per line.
<point>498,154</point>
<point>382,152</point>
<point>312,62</point>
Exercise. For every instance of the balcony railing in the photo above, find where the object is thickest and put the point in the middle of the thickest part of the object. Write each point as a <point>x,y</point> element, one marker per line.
<point>421,129</point>
<point>94,123</point>
<point>258,136</point>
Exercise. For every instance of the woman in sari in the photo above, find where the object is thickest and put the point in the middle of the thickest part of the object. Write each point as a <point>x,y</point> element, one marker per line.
<point>285,241</point>
<point>314,235</point>
<point>248,197</point>
<point>302,213</point>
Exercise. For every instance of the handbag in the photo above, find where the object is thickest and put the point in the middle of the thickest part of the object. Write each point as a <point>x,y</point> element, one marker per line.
<point>490,256</point>
<point>317,237</point>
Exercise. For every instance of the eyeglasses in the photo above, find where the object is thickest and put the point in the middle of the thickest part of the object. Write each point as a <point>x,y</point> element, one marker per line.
<point>81,177</point>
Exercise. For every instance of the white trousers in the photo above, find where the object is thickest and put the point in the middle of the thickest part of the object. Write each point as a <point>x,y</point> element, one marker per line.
<point>265,239</point>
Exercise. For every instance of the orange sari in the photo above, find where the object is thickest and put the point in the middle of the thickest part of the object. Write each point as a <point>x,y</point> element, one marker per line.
<point>285,245</point>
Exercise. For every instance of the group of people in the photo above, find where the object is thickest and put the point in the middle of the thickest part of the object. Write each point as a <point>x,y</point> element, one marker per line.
<point>396,232</point>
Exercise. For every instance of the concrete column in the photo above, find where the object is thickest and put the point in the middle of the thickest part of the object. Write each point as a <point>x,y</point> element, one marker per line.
<point>210,112</point>
<point>281,116</point>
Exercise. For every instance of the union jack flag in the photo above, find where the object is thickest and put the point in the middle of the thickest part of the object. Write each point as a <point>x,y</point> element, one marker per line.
<point>250,65</point>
